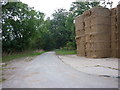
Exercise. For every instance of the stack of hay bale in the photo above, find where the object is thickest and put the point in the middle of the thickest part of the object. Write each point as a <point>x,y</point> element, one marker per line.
<point>80,38</point>
<point>87,20</point>
<point>118,31</point>
<point>113,32</point>
<point>100,32</point>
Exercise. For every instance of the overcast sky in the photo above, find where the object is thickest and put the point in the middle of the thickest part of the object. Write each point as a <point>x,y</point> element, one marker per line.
<point>48,6</point>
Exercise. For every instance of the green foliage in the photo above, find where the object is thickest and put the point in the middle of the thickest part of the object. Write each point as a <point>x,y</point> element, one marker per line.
<point>23,28</point>
<point>77,8</point>
<point>26,29</point>
<point>65,52</point>
<point>60,34</point>
<point>70,46</point>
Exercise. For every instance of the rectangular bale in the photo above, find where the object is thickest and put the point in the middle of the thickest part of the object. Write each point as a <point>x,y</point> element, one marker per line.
<point>101,20</point>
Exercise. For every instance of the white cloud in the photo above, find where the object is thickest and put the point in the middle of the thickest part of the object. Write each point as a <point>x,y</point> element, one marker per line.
<point>48,6</point>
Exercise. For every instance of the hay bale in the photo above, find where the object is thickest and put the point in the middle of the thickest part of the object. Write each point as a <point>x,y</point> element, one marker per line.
<point>82,32</point>
<point>113,34</point>
<point>80,44</point>
<point>97,32</point>
<point>98,53</point>
<point>98,38</point>
<point>77,32</point>
<point>87,18</point>
<point>79,25</point>
<point>80,39</point>
<point>81,47</point>
<point>79,22</point>
<point>100,11</point>
<point>87,30</point>
<point>105,37</point>
<point>100,46</point>
<point>101,29</point>
<point>80,52</point>
<point>88,46</point>
<point>88,53</point>
<point>79,18</point>
<point>87,13</point>
<point>101,20</point>
<point>113,20</point>
<point>87,24</point>
<point>113,11</point>
<point>87,37</point>
<point>87,21</point>
<point>118,30</point>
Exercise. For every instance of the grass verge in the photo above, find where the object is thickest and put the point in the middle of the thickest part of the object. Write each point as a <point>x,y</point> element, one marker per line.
<point>14,56</point>
<point>65,52</point>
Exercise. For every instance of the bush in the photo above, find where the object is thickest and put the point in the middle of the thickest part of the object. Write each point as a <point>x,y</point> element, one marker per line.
<point>69,46</point>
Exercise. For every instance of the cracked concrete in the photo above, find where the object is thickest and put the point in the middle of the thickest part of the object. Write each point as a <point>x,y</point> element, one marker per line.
<point>102,66</point>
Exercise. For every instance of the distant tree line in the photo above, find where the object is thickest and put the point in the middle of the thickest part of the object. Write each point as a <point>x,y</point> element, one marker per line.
<point>23,28</point>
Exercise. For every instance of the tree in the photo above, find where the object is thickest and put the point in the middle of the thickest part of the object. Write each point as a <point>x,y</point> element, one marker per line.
<point>70,26</point>
<point>58,30</point>
<point>20,26</point>
<point>24,28</point>
<point>107,3</point>
<point>77,8</point>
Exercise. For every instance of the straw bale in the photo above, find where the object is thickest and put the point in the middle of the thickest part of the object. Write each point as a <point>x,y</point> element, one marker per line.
<point>113,11</point>
<point>101,28</point>
<point>79,18</point>
<point>79,25</point>
<point>98,53</point>
<point>101,37</point>
<point>87,38</point>
<point>100,45</point>
<point>77,32</point>
<point>118,30</point>
<point>88,53</point>
<point>82,32</point>
<point>81,47</point>
<point>87,30</point>
<point>80,52</point>
<point>79,22</point>
<point>101,20</point>
<point>87,23</point>
<point>113,20</point>
<point>98,33</point>
<point>100,11</point>
<point>101,53</point>
<point>87,13</point>
<point>114,45</point>
<point>88,46</point>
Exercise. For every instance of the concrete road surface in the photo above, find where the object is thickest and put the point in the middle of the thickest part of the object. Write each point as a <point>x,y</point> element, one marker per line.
<point>48,71</point>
